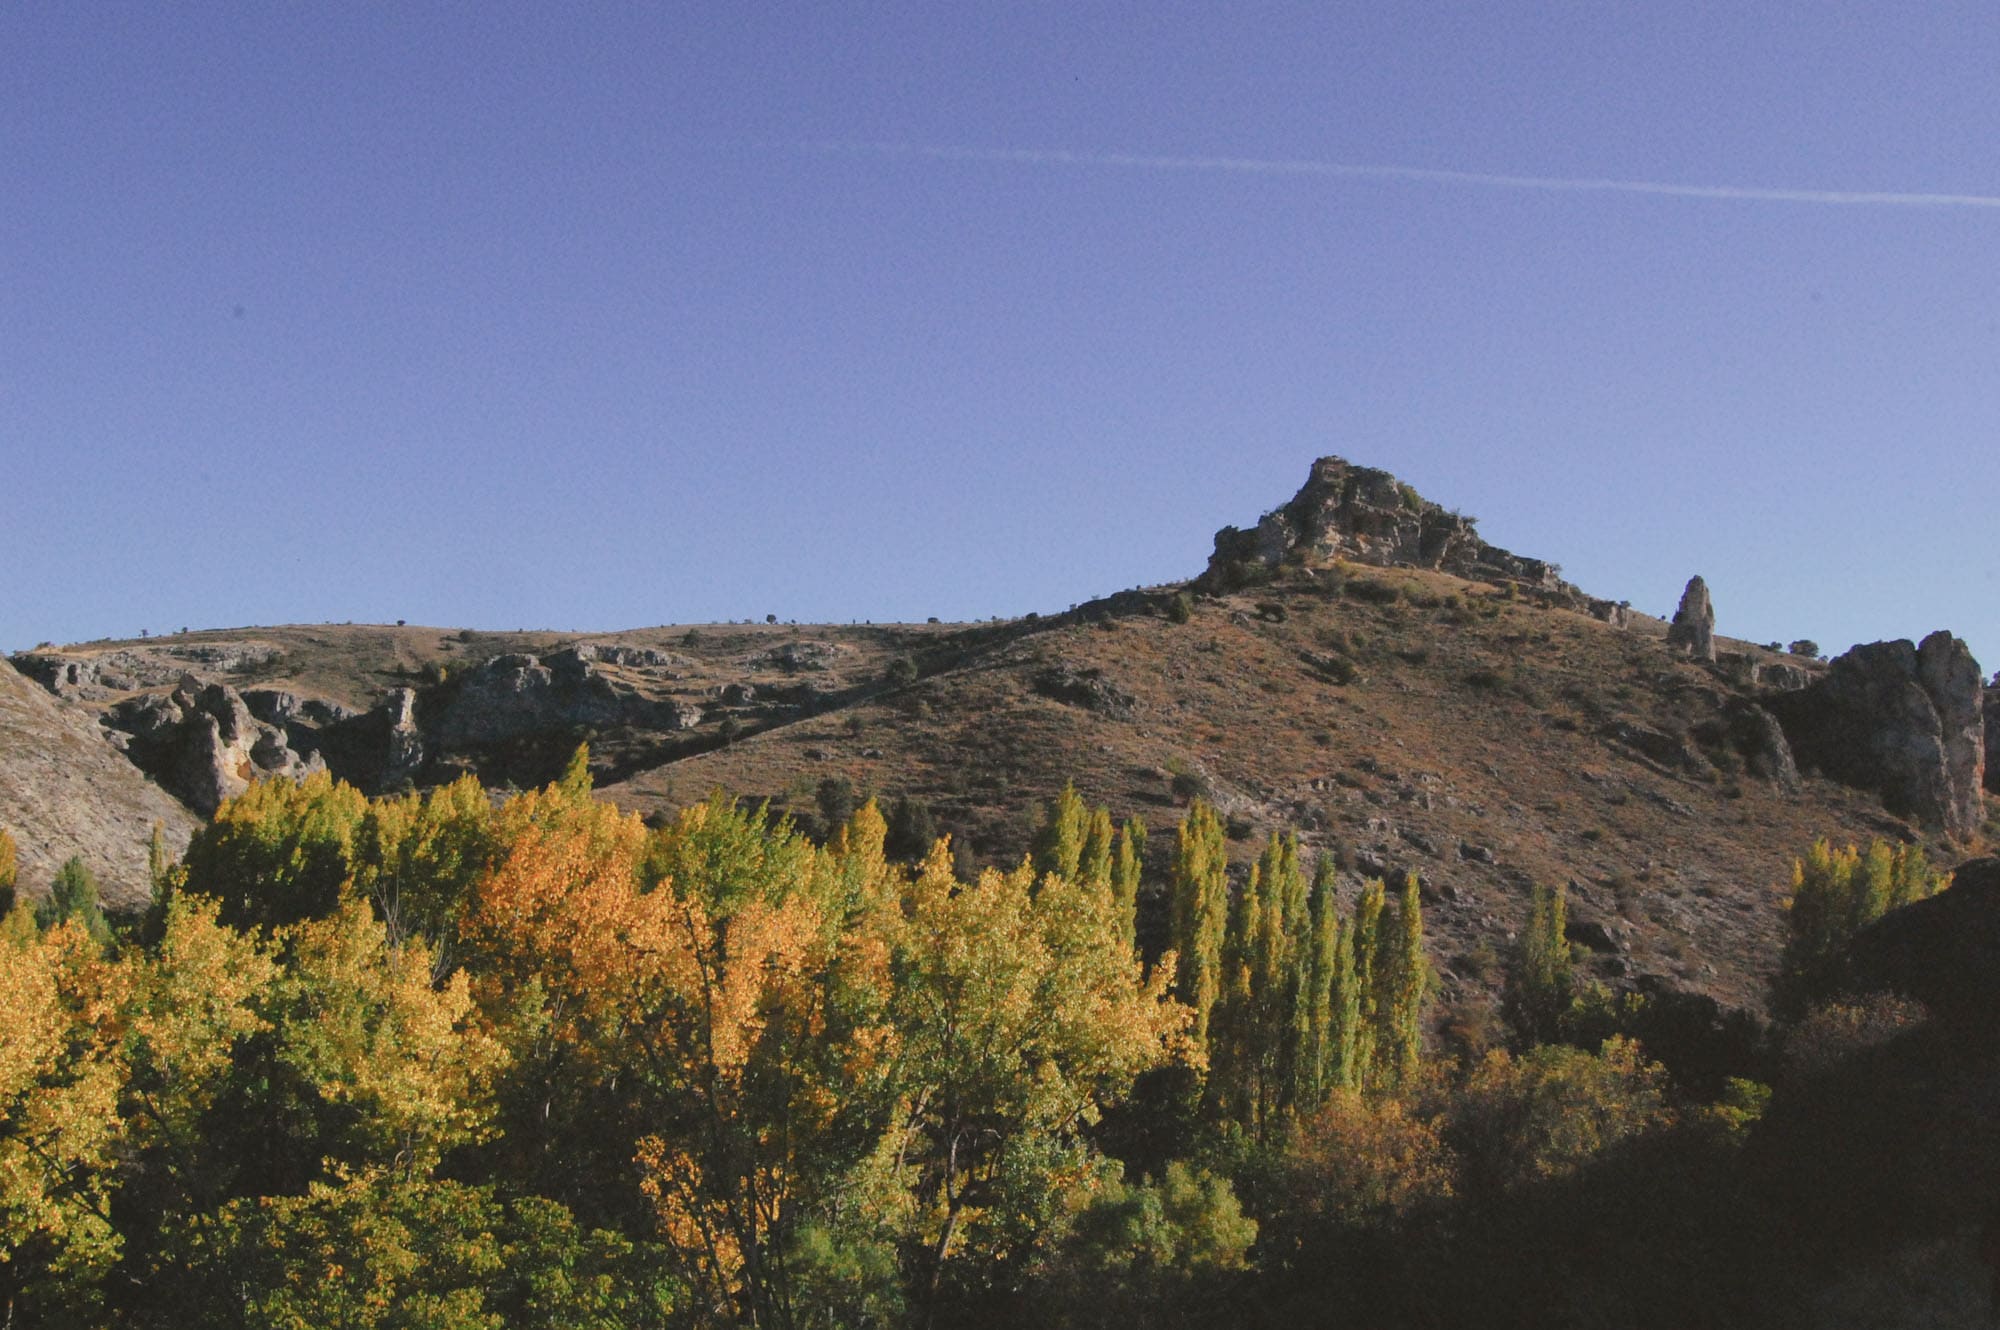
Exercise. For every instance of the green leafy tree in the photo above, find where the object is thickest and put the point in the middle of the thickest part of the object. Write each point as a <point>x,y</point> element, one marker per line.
<point>1128,865</point>
<point>278,853</point>
<point>1835,894</point>
<point>1094,864</point>
<point>912,830</point>
<point>1199,886</point>
<point>73,897</point>
<point>1059,843</point>
<point>1403,984</point>
<point>1542,982</point>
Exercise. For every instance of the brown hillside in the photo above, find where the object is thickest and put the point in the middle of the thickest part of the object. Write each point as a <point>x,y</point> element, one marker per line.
<point>1474,719</point>
<point>65,791</point>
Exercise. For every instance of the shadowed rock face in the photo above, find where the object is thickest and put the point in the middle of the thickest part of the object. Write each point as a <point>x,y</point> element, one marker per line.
<point>65,791</point>
<point>1367,516</point>
<point>202,743</point>
<point>1903,720</point>
<point>1944,952</point>
<point>1993,738</point>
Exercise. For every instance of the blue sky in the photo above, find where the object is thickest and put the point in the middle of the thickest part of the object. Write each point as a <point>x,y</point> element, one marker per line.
<point>519,316</point>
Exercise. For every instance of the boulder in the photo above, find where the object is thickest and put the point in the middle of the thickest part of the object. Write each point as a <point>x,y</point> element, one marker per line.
<point>1592,936</point>
<point>1780,676</point>
<point>1693,628</point>
<point>1761,741</point>
<point>1901,720</point>
<point>1085,687</point>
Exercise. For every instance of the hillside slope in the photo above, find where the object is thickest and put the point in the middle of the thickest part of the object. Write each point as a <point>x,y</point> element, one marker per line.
<point>1359,667</point>
<point>65,791</point>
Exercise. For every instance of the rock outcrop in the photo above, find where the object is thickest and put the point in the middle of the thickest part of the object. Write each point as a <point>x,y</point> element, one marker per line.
<point>105,675</point>
<point>1905,721</point>
<point>202,743</point>
<point>1761,740</point>
<point>513,696</point>
<point>65,791</point>
<point>1693,628</point>
<point>1367,516</point>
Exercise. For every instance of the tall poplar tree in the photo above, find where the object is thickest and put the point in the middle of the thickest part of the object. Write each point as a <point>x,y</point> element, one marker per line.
<point>1127,864</point>
<point>1200,893</point>
<point>1403,980</point>
<point>1059,844</point>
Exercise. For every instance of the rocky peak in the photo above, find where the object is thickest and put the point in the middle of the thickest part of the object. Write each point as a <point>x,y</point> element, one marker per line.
<point>1693,628</point>
<point>1367,516</point>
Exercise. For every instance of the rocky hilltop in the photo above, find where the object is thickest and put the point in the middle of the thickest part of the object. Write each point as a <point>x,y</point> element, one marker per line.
<point>1358,665</point>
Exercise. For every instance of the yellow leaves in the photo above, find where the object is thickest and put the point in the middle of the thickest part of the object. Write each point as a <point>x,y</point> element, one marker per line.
<point>61,1074</point>
<point>196,999</point>
<point>364,1024</point>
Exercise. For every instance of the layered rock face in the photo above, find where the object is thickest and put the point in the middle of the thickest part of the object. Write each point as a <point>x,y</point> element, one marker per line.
<point>515,695</point>
<point>1367,516</point>
<point>1693,628</point>
<point>203,744</point>
<point>65,791</point>
<point>1904,720</point>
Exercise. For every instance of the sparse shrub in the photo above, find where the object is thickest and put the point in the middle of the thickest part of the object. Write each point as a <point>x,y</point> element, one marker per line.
<point>1374,592</point>
<point>1415,655</point>
<point>1181,608</point>
<point>690,638</point>
<point>1270,611</point>
<point>1185,782</point>
<point>902,672</point>
<point>1835,1031</point>
<point>1238,828</point>
<point>1486,678</point>
<point>730,730</point>
<point>1805,646</point>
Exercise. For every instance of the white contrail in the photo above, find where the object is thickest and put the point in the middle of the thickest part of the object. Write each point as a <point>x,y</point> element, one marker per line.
<point>1281,167</point>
